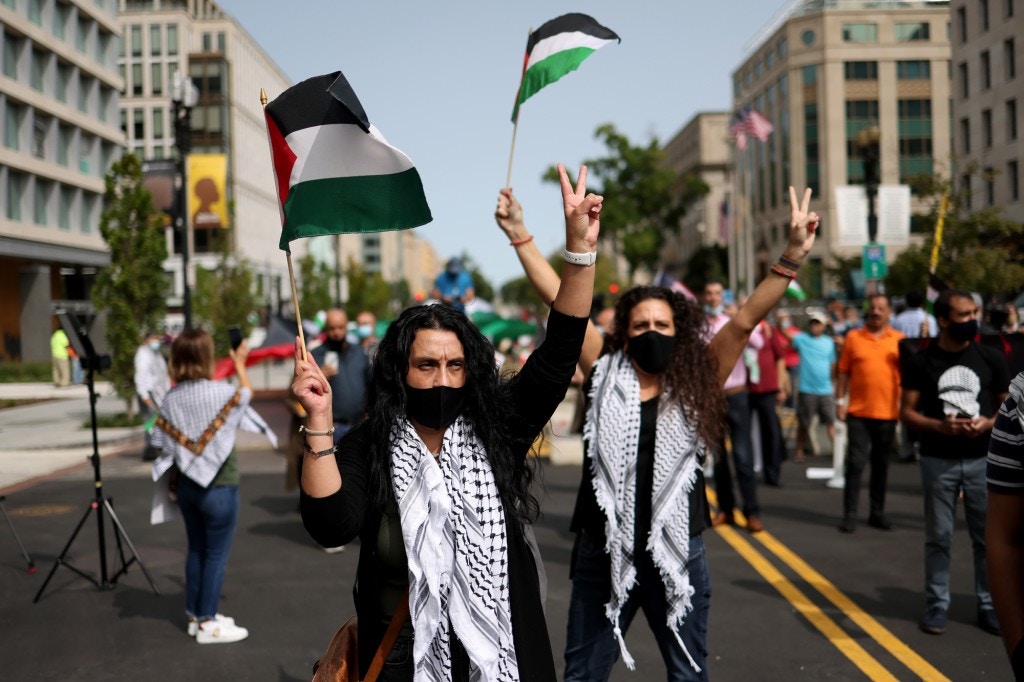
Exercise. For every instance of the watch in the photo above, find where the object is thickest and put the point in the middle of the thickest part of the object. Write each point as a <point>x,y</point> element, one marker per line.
<point>585,259</point>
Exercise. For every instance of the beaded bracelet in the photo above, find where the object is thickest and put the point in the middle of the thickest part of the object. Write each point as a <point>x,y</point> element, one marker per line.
<point>520,242</point>
<point>321,453</point>
<point>778,270</point>
<point>304,429</point>
<point>785,262</point>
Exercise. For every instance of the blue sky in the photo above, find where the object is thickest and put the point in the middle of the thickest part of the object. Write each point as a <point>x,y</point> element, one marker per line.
<point>439,79</point>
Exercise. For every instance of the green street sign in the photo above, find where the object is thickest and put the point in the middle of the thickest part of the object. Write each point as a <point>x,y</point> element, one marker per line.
<point>873,261</point>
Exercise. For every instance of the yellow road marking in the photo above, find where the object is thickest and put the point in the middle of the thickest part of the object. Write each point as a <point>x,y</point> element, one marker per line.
<point>835,634</point>
<point>864,621</point>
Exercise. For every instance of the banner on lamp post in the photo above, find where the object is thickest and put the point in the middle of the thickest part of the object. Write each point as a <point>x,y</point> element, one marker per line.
<point>892,210</point>
<point>207,191</point>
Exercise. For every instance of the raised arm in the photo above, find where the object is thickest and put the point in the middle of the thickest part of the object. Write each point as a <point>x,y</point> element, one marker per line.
<point>728,343</point>
<point>546,282</point>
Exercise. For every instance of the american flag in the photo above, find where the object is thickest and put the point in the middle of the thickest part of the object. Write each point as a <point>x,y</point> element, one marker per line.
<point>749,121</point>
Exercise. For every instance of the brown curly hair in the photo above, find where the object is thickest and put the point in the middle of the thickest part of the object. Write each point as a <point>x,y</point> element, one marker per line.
<point>692,374</point>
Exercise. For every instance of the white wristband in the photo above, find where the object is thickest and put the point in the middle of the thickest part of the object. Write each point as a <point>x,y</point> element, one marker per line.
<point>585,259</point>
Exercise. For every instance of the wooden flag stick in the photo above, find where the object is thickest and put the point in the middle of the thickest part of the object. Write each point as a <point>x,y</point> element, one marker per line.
<point>511,153</point>
<point>288,255</point>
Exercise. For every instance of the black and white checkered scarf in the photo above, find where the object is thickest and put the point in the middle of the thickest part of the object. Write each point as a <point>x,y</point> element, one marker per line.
<point>453,527</point>
<point>612,431</point>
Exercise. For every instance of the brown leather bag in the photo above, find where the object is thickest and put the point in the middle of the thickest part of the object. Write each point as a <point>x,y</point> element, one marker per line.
<point>341,661</point>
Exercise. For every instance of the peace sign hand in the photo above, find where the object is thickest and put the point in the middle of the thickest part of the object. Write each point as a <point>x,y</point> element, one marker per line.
<point>582,212</point>
<point>803,223</point>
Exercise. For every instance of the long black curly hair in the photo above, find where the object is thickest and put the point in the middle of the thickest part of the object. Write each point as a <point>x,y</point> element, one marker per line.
<point>485,396</point>
<point>692,374</point>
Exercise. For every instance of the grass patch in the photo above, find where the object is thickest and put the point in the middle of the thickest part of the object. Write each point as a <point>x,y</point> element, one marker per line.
<point>114,421</point>
<point>18,402</point>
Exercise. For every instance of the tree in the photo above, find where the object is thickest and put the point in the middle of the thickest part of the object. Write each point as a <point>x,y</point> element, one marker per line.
<point>367,291</point>
<point>315,279</point>
<point>980,251</point>
<point>225,296</point>
<point>644,199</point>
<point>706,263</point>
<point>131,289</point>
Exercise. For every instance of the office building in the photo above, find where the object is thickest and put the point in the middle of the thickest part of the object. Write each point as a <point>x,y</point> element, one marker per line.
<point>822,73</point>
<point>59,97</point>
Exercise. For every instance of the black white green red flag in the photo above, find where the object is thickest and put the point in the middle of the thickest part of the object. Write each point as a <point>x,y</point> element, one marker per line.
<point>335,172</point>
<point>557,48</point>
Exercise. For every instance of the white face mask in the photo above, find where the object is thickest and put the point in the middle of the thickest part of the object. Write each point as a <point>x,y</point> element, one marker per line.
<point>155,345</point>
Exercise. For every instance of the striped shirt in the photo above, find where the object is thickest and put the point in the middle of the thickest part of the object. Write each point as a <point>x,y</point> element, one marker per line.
<point>1005,470</point>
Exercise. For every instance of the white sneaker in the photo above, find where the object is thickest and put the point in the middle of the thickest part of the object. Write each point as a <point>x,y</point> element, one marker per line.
<point>219,632</point>
<point>334,550</point>
<point>193,623</point>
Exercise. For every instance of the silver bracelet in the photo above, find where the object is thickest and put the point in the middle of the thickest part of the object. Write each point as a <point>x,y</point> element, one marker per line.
<point>321,453</point>
<point>304,429</point>
<point>585,259</point>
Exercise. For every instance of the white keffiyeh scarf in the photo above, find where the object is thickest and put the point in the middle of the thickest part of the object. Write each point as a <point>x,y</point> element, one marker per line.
<point>453,528</point>
<point>612,431</point>
<point>1017,391</point>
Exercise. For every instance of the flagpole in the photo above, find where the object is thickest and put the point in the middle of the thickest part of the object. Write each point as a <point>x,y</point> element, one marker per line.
<point>288,255</point>
<point>515,124</point>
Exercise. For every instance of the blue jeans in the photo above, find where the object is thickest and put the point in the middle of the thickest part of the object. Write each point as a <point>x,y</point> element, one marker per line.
<point>211,515</point>
<point>737,419</point>
<point>942,480</point>
<point>591,648</point>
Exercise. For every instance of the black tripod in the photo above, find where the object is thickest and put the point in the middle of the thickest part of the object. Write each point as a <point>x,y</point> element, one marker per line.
<point>28,559</point>
<point>100,504</point>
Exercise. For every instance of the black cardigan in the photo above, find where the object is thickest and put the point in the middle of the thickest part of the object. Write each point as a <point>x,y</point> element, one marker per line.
<point>339,518</point>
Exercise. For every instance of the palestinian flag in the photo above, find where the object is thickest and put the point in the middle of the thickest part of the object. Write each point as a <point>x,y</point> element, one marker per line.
<point>335,172</point>
<point>556,48</point>
<point>794,290</point>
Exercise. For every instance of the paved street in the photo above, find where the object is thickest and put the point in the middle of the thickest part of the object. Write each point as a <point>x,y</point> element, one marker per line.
<point>800,601</point>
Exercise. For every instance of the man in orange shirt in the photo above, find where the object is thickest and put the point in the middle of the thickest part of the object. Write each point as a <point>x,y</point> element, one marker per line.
<point>869,368</point>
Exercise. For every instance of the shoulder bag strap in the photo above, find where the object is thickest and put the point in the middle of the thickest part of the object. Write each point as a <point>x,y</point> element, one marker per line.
<point>401,611</point>
<point>197,447</point>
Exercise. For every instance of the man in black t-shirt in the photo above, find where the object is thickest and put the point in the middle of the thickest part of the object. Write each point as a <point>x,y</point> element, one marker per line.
<point>951,393</point>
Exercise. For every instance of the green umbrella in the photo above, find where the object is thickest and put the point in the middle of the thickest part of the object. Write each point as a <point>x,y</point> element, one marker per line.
<point>509,328</point>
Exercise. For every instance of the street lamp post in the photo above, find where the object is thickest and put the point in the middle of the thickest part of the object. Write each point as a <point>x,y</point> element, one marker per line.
<point>868,141</point>
<point>184,95</point>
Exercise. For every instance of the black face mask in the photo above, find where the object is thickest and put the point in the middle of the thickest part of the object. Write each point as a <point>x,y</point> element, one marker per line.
<point>651,351</point>
<point>336,346</point>
<point>435,407</point>
<point>963,331</point>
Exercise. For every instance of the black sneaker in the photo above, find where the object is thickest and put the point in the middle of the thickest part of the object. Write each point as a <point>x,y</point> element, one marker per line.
<point>880,522</point>
<point>988,622</point>
<point>933,621</point>
<point>847,525</point>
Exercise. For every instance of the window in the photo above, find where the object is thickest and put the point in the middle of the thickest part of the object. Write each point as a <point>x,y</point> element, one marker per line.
<point>964,81</point>
<point>35,12</point>
<point>915,137</point>
<point>64,136</point>
<point>15,192</point>
<point>810,74</point>
<point>207,42</point>
<point>135,31</point>
<point>82,35</point>
<point>965,187</point>
<point>156,78</point>
<point>63,79</point>
<point>66,197</point>
<point>221,42</point>
<point>42,200</point>
<point>782,48</point>
<point>12,46</point>
<point>983,12</point>
<point>988,177</point>
<point>860,33</point>
<point>1009,59</point>
<point>40,129</point>
<point>986,70</point>
<point>158,124</point>
<point>60,19</point>
<point>1011,120</point>
<point>13,116</point>
<point>912,31</point>
<point>172,39</point>
<point>807,37</point>
<point>1013,177</point>
<point>155,44</point>
<point>913,70</point>
<point>1007,8</point>
<point>88,208</point>
<point>138,124</point>
<point>38,70</point>
<point>961,23</point>
<point>965,135</point>
<point>137,79</point>
<point>986,128</point>
<point>84,86</point>
<point>860,71</point>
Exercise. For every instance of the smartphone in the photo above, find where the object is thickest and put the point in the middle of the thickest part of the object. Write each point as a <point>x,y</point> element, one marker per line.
<point>235,337</point>
<point>331,359</point>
